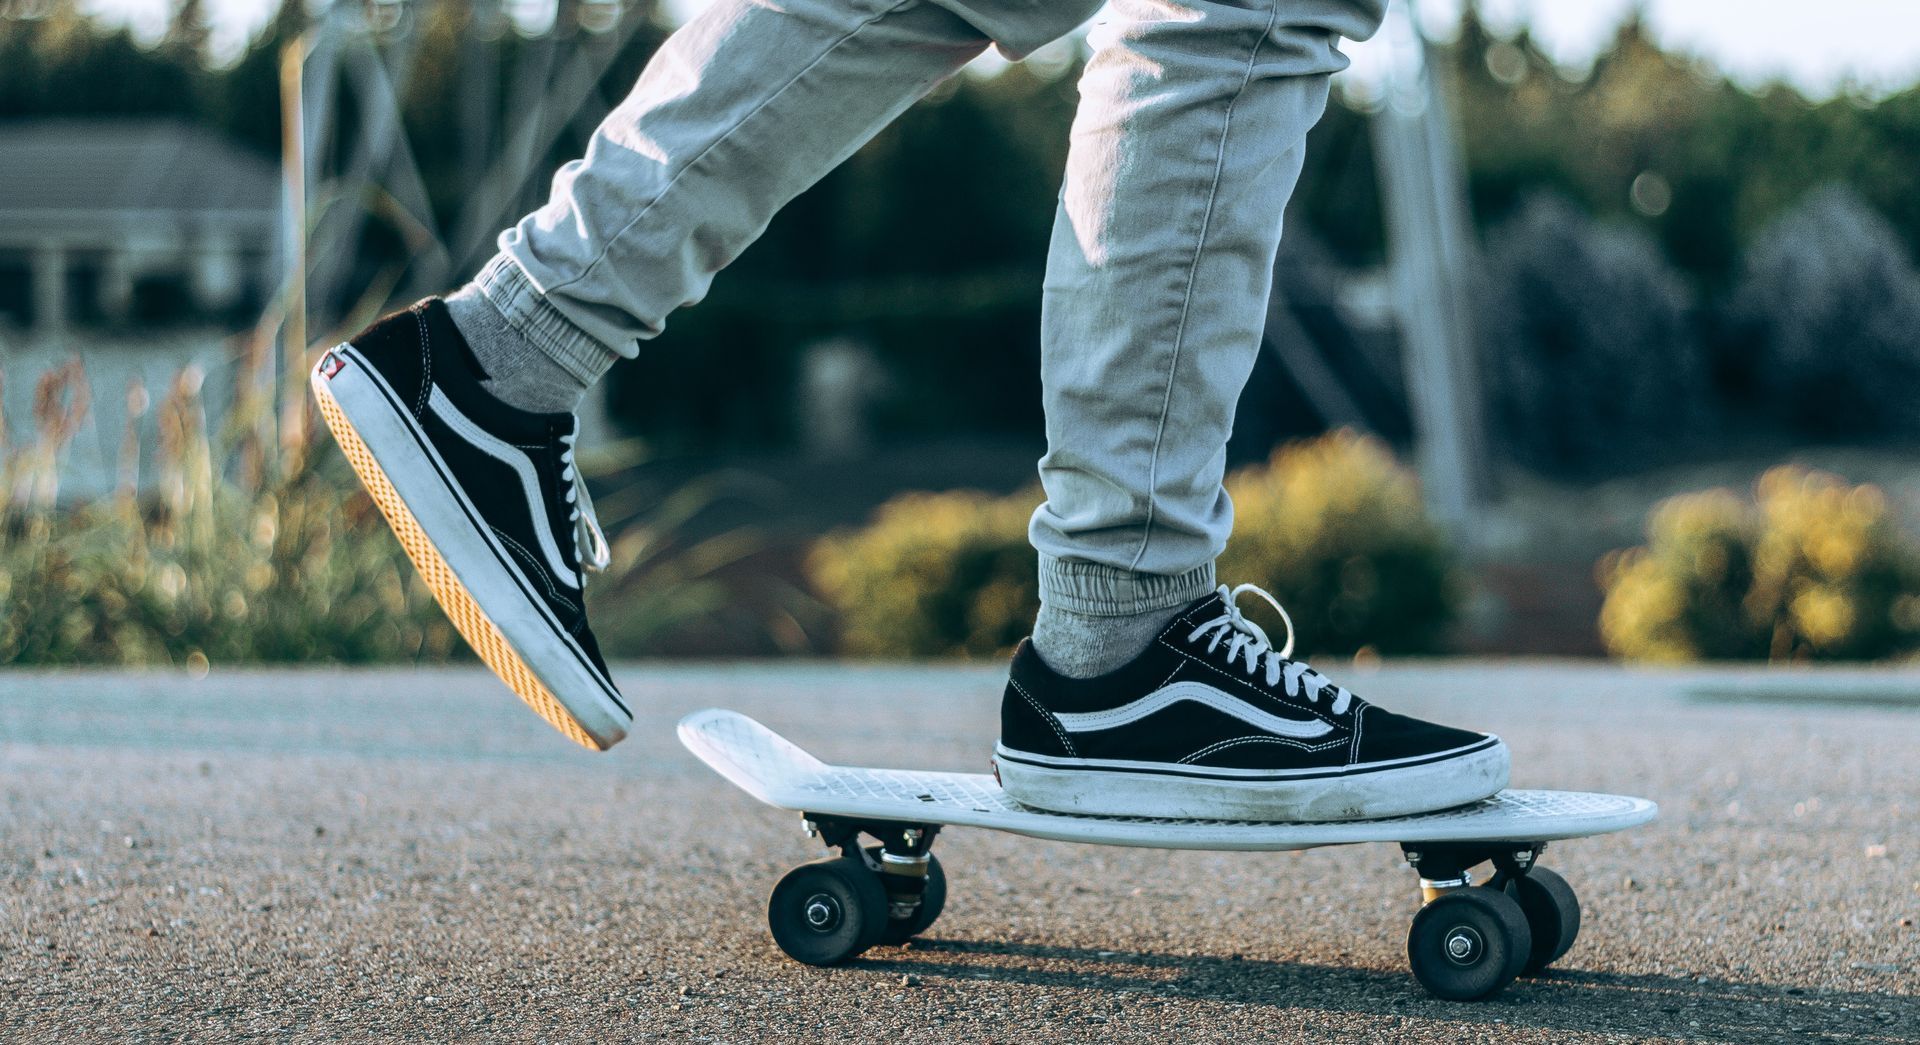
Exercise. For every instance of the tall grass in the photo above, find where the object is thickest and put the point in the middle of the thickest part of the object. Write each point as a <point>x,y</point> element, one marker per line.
<point>248,544</point>
<point>238,549</point>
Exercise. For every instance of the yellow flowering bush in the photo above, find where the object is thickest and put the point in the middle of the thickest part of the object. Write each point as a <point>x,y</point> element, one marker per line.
<point>1811,568</point>
<point>934,574</point>
<point>1333,526</point>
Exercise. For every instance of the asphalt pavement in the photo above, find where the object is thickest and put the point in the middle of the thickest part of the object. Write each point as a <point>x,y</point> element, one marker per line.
<point>410,855</point>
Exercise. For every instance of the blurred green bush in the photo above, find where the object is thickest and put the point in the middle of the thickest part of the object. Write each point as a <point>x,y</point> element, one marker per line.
<point>227,563</point>
<point>934,574</point>
<point>1334,527</point>
<point>243,549</point>
<point>1810,569</point>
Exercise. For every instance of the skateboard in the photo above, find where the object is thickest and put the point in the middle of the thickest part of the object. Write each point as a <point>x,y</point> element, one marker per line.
<point>1466,942</point>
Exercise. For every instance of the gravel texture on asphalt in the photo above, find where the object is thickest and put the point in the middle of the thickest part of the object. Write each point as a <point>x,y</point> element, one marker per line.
<point>409,855</point>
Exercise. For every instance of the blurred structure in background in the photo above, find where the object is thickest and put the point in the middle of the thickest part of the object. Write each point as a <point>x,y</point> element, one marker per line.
<point>124,223</point>
<point>147,241</point>
<point>345,82</point>
<point>359,62</point>
<point>1431,253</point>
<point>840,380</point>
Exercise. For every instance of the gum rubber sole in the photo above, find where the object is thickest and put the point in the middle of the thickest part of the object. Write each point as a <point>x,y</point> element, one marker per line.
<point>468,619</point>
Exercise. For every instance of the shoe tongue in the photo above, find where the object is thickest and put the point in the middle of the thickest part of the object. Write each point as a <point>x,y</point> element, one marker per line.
<point>1210,603</point>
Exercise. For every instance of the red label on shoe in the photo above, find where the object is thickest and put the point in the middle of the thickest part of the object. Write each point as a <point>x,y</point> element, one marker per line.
<point>331,364</point>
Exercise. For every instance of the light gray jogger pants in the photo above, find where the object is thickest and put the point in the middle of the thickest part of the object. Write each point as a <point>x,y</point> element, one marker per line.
<point>1187,143</point>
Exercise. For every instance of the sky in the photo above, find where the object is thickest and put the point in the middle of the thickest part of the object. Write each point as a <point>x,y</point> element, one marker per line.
<point>1818,47</point>
<point>1873,45</point>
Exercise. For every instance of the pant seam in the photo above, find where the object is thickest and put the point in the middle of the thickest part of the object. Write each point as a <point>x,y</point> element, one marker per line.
<point>723,138</point>
<point>1193,273</point>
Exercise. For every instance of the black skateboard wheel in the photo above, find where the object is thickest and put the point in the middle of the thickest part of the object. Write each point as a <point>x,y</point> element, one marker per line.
<point>1469,944</point>
<point>1553,914</point>
<point>825,912</point>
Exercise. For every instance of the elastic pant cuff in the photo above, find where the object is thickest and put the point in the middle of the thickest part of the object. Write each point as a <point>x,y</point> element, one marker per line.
<point>1095,590</point>
<point>521,304</point>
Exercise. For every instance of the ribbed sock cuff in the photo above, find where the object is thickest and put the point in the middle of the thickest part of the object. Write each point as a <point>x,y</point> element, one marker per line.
<point>1095,590</point>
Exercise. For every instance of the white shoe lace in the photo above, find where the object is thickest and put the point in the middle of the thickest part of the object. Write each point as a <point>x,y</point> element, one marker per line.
<point>1244,637</point>
<point>588,539</point>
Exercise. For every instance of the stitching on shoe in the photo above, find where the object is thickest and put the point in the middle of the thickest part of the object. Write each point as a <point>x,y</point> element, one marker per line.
<point>1047,715</point>
<point>538,570</point>
<point>426,366</point>
<point>1302,705</point>
<point>1359,723</point>
<point>1263,739</point>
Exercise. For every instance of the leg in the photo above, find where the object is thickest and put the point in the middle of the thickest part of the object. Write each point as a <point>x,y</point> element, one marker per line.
<point>457,415</point>
<point>1141,694</point>
<point>1189,138</point>
<point>740,111</point>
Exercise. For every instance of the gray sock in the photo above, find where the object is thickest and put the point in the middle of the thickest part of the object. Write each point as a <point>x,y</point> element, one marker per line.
<point>518,371</point>
<point>1080,646</point>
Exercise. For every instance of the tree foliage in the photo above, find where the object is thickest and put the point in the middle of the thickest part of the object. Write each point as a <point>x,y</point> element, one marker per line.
<point>1591,357</point>
<point>1731,159</point>
<point>1831,307</point>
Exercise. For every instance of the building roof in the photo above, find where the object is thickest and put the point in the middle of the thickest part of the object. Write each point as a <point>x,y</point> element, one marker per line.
<point>107,166</point>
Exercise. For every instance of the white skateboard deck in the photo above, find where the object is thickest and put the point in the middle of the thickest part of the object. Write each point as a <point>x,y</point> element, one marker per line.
<point>774,770</point>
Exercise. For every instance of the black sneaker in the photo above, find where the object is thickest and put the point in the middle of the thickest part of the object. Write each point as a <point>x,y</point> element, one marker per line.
<point>487,503</point>
<point>1211,723</point>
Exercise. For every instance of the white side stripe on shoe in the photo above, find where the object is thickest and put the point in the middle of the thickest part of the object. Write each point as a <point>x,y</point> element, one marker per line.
<point>506,453</point>
<point>1199,693</point>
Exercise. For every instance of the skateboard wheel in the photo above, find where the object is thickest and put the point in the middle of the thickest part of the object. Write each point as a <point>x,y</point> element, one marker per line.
<point>1553,914</point>
<point>1468,944</point>
<point>933,899</point>
<point>828,911</point>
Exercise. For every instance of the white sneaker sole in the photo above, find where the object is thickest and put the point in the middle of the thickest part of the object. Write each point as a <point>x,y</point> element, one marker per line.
<point>487,597</point>
<point>1092,787</point>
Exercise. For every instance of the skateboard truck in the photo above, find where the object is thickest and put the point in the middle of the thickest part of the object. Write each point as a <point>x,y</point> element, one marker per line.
<point>1468,942</point>
<point>902,864</point>
<point>903,840</point>
<point>1443,866</point>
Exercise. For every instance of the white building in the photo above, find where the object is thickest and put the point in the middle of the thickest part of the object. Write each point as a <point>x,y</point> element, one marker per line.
<point>116,223</point>
<point>139,246</point>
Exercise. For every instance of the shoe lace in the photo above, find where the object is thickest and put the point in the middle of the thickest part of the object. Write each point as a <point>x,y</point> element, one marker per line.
<point>1247,640</point>
<point>589,541</point>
